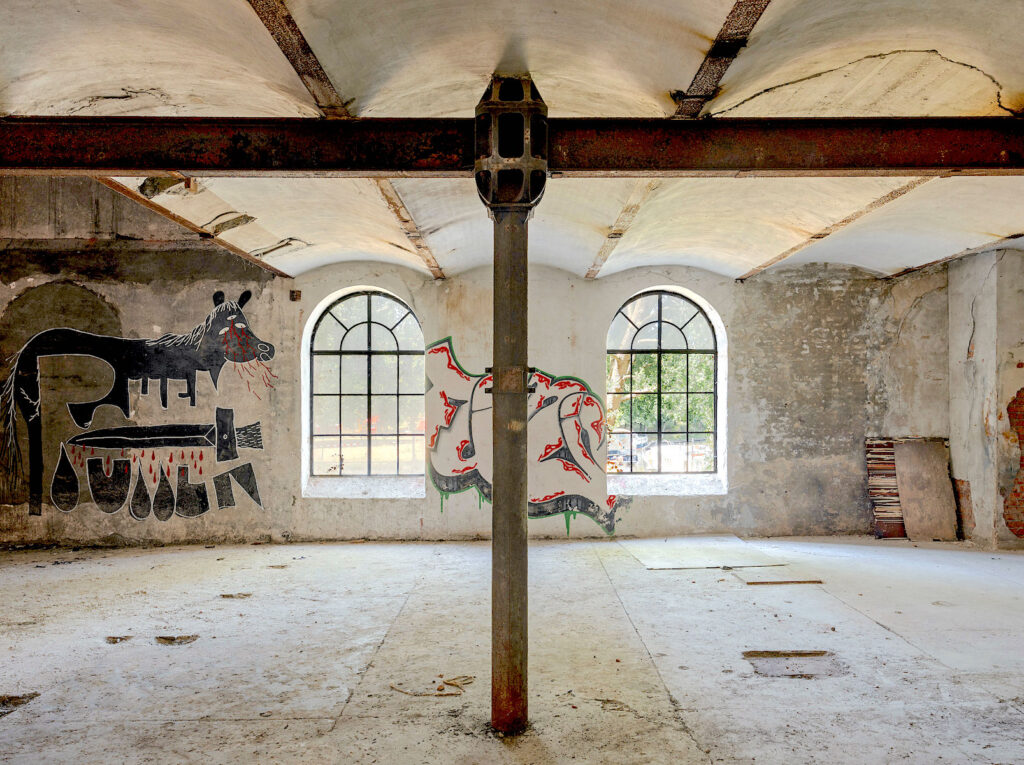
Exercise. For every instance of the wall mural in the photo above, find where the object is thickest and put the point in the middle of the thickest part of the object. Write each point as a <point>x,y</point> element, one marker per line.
<point>566,438</point>
<point>149,454</point>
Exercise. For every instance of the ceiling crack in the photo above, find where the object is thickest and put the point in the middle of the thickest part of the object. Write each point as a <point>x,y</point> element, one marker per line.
<point>932,51</point>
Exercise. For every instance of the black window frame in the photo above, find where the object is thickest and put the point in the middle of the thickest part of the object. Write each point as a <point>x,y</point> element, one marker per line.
<point>341,395</point>
<point>660,353</point>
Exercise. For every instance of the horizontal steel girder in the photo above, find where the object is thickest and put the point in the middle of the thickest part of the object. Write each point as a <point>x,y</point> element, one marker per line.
<point>578,147</point>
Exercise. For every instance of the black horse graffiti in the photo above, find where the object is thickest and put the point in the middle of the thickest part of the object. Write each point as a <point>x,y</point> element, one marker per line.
<point>224,336</point>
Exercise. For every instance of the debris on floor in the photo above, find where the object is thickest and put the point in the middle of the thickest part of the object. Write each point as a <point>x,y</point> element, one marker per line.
<point>805,665</point>
<point>9,703</point>
<point>176,639</point>
<point>115,639</point>
<point>455,687</point>
<point>236,594</point>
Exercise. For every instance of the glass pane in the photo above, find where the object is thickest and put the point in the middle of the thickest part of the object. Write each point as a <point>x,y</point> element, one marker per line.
<point>410,374</point>
<point>410,414</point>
<point>617,366</point>
<point>381,339</point>
<point>699,334</point>
<point>645,454</point>
<point>353,414</point>
<point>702,372</point>
<point>411,455</point>
<point>325,374</point>
<point>383,455</point>
<point>325,415</point>
<point>353,374</point>
<point>328,335</point>
<point>355,338</point>
<point>642,310</point>
<point>673,412</point>
<point>617,407</point>
<point>351,311</point>
<point>386,310</point>
<point>645,372</point>
<point>620,334</point>
<point>673,372</point>
<point>673,454</point>
<point>646,338</point>
<point>677,310</point>
<point>645,413</point>
<point>384,414</point>
<point>702,452</point>
<point>671,338</point>
<point>409,334</point>
<point>353,456</point>
<point>618,453</point>
<point>702,411</point>
<point>384,374</point>
<point>326,456</point>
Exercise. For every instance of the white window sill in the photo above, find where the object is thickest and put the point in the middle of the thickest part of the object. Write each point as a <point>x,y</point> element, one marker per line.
<point>366,487</point>
<point>678,485</point>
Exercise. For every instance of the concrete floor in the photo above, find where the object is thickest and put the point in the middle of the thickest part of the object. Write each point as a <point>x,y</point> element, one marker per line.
<point>629,664</point>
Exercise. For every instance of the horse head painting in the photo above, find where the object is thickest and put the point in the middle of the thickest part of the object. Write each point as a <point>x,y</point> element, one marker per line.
<point>224,336</point>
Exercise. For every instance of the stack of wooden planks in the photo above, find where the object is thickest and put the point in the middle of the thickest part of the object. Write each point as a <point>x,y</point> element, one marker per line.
<point>883,489</point>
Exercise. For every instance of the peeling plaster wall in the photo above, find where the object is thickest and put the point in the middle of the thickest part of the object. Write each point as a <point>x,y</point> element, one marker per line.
<point>973,408</point>
<point>805,346</point>
<point>908,369</point>
<point>1010,370</point>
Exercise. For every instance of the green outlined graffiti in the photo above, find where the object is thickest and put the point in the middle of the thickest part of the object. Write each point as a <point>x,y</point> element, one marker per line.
<point>566,439</point>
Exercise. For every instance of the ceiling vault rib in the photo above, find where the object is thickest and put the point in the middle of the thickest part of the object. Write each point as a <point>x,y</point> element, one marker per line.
<point>637,197</point>
<point>135,196</point>
<point>405,220</point>
<point>289,38</point>
<point>732,38</point>
<point>829,230</point>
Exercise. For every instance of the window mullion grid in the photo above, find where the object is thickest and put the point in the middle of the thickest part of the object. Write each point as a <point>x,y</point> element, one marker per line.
<point>658,355</point>
<point>686,403</point>
<point>369,391</point>
<point>398,408</point>
<point>632,421</point>
<point>714,421</point>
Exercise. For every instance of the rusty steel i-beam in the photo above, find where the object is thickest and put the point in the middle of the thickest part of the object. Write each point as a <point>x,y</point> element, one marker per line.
<point>510,169</point>
<point>113,146</point>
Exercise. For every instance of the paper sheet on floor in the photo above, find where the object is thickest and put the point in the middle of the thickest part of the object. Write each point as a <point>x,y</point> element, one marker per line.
<point>712,551</point>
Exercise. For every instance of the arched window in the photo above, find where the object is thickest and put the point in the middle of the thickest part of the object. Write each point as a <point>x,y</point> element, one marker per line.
<point>366,407</point>
<point>662,386</point>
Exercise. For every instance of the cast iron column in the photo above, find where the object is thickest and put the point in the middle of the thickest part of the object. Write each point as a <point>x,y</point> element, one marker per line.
<point>511,170</point>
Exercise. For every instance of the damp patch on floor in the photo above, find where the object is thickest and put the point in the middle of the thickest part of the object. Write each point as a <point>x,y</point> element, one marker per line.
<point>805,665</point>
<point>9,703</point>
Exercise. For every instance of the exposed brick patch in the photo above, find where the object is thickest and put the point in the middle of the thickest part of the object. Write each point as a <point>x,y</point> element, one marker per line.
<point>1013,504</point>
<point>964,508</point>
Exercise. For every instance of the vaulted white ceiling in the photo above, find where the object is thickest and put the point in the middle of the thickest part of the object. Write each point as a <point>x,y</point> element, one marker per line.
<point>589,58</point>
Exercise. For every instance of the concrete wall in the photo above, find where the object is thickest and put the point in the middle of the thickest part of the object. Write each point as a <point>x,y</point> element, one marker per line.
<point>986,323</point>
<point>818,358</point>
<point>1009,521</point>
